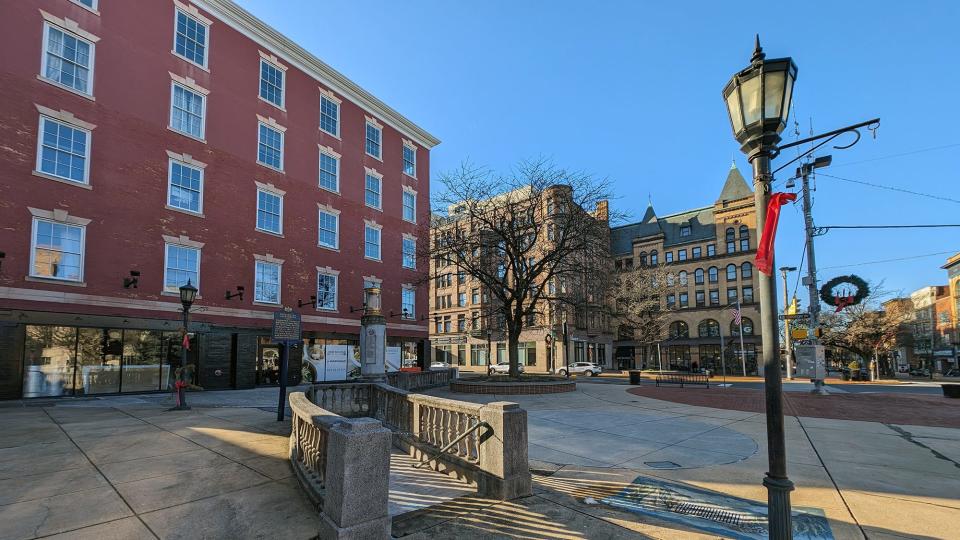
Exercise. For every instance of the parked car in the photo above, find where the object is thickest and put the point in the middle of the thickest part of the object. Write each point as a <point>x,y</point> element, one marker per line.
<point>439,365</point>
<point>502,367</point>
<point>590,369</point>
<point>920,372</point>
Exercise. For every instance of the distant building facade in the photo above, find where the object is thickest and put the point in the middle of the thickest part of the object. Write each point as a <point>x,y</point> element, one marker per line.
<point>710,252</point>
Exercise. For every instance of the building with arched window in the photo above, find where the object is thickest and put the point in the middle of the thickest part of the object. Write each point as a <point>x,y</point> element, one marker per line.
<point>704,242</point>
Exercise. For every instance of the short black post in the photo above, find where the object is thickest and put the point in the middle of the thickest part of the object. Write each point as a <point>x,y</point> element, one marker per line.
<point>284,357</point>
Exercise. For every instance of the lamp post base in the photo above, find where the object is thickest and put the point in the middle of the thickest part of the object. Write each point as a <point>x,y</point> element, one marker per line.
<point>778,507</point>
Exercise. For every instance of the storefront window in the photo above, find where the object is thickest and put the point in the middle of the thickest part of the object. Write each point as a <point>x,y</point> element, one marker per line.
<point>49,358</point>
<point>478,355</point>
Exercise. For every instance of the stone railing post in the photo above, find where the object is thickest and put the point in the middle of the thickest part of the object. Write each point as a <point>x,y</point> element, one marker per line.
<point>357,481</point>
<point>504,470</point>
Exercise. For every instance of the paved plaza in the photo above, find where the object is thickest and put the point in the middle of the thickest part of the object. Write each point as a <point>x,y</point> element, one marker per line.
<point>123,467</point>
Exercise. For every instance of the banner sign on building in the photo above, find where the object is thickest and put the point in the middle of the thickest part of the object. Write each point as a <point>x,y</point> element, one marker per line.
<point>393,359</point>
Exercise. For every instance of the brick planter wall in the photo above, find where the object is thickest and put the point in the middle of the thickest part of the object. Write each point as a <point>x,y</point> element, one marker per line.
<point>505,388</point>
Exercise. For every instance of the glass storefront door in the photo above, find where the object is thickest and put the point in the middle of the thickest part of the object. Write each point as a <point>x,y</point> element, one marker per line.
<point>268,363</point>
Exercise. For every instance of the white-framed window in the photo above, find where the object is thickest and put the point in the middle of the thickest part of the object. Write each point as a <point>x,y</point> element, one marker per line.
<point>191,38</point>
<point>271,83</point>
<point>269,146</point>
<point>329,229</point>
<point>269,211</point>
<point>185,187</point>
<point>57,250</point>
<point>373,188</point>
<point>187,111</point>
<point>408,303</point>
<point>409,252</point>
<point>92,4</point>
<point>266,283</point>
<point>330,115</point>
<point>181,264</point>
<point>329,171</point>
<point>371,242</point>
<point>67,59</point>
<point>374,138</point>
<point>326,290</point>
<point>63,150</point>
<point>410,206</point>
<point>409,161</point>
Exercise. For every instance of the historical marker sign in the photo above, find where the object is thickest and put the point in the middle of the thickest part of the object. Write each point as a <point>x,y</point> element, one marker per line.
<point>286,325</point>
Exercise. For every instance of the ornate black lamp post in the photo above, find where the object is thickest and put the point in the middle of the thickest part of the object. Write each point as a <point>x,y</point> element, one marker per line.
<point>758,101</point>
<point>188,293</point>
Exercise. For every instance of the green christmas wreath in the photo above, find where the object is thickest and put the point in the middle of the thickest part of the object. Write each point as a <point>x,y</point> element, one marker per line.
<point>840,302</point>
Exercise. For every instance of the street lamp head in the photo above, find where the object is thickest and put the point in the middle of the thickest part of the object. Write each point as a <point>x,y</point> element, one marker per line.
<point>187,294</point>
<point>788,268</point>
<point>371,304</point>
<point>758,101</point>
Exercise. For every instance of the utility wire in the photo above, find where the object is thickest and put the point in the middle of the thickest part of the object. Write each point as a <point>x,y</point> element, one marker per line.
<point>888,226</point>
<point>891,188</point>
<point>803,257</point>
<point>892,156</point>
<point>888,260</point>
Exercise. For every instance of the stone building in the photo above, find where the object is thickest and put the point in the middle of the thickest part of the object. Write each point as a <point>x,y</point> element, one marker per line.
<point>151,143</point>
<point>709,252</point>
<point>465,325</point>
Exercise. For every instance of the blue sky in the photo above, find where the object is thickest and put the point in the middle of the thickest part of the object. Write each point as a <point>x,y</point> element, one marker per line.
<point>630,90</point>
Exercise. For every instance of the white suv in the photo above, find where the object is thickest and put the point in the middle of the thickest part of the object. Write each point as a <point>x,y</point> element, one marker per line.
<point>591,370</point>
<point>502,367</point>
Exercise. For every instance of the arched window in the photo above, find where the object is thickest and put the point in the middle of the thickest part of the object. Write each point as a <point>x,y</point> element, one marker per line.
<point>731,235</point>
<point>670,279</point>
<point>747,327</point>
<point>683,277</point>
<point>746,270</point>
<point>731,241</point>
<point>708,328</point>
<point>653,258</point>
<point>643,258</point>
<point>678,329</point>
<point>713,274</point>
<point>744,238</point>
<point>698,276</point>
<point>731,272</point>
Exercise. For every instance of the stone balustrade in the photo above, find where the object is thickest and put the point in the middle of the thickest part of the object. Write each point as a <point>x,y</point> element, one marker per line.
<point>345,399</point>
<point>421,380</point>
<point>343,465</point>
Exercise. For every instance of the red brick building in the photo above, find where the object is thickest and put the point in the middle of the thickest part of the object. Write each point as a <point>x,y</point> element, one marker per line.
<point>189,141</point>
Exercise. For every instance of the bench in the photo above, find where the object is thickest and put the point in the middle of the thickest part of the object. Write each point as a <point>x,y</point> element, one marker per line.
<point>697,379</point>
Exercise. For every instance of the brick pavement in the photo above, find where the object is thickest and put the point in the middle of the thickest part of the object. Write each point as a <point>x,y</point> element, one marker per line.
<point>888,408</point>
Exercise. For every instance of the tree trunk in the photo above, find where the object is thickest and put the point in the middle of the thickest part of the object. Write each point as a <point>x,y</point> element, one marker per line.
<point>513,340</point>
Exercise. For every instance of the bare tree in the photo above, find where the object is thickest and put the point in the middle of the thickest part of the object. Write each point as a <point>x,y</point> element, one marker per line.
<point>638,305</point>
<point>536,239</point>
<point>865,329</point>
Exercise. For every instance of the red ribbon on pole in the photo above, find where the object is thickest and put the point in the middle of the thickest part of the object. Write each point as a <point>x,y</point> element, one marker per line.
<point>186,341</point>
<point>764,258</point>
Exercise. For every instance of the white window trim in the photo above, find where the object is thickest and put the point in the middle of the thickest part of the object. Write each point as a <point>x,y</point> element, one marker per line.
<point>70,27</point>
<point>406,237</point>
<point>194,13</point>
<point>412,289</point>
<point>57,215</point>
<point>327,271</point>
<point>330,152</point>
<point>379,228</point>
<point>378,176</point>
<point>373,122</point>
<point>64,117</point>
<point>183,242</point>
<point>268,259</point>
<point>324,93</point>
<point>272,190</point>
<point>409,144</point>
<point>91,9</point>
<point>203,119</point>
<point>187,160</point>
<point>273,62</point>
<point>272,124</point>
<point>323,208</point>
<point>410,190</point>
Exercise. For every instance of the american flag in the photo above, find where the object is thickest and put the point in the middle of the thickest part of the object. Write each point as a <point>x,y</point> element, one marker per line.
<point>736,314</point>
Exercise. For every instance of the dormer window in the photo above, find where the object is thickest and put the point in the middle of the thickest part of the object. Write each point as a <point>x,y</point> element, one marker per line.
<point>685,230</point>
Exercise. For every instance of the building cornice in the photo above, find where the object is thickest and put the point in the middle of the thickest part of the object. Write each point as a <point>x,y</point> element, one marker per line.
<point>244,22</point>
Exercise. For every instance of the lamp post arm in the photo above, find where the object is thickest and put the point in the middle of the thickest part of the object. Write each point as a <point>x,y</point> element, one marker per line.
<point>872,125</point>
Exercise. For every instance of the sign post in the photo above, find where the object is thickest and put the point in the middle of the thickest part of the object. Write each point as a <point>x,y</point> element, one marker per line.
<point>286,331</point>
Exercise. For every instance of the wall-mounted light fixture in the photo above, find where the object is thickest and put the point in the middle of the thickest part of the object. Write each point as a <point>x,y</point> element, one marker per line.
<point>312,302</point>
<point>228,295</point>
<point>133,281</point>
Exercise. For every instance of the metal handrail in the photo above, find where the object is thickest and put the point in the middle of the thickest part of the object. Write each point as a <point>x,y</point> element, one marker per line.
<point>450,444</point>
